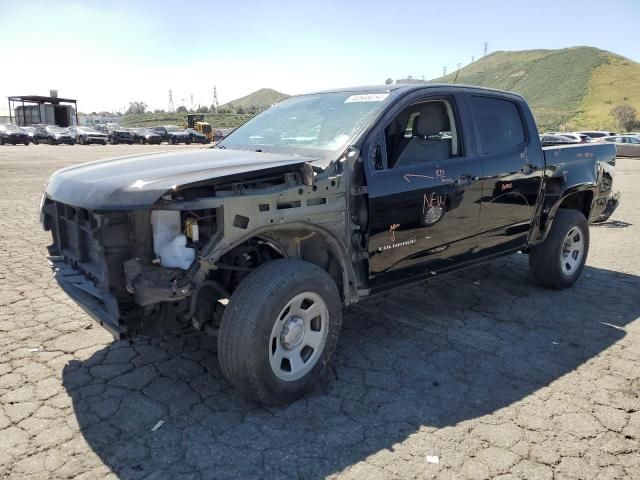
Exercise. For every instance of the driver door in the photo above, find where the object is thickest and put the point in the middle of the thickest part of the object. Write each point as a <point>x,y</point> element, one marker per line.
<point>423,211</point>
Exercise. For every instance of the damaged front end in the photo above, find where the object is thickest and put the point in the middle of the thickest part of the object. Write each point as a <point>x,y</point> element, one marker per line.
<point>149,270</point>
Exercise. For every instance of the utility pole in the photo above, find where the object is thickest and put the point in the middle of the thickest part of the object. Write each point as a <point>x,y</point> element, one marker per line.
<point>171,107</point>
<point>459,66</point>
<point>444,71</point>
<point>486,47</point>
<point>192,101</point>
<point>473,58</point>
<point>215,99</point>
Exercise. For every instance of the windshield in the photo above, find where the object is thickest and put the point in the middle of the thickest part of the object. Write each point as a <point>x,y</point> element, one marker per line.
<point>171,128</point>
<point>55,130</point>
<point>11,128</point>
<point>315,125</point>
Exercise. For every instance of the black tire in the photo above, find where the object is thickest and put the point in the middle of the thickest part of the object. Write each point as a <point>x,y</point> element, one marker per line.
<point>26,143</point>
<point>142,142</point>
<point>188,141</point>
<point>81,140</point>
<point>248,321</point>
<point>545,261</point>
<point>1,141</point>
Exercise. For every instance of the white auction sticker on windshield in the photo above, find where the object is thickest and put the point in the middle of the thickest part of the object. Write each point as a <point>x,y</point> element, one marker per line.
<point>367,97</point>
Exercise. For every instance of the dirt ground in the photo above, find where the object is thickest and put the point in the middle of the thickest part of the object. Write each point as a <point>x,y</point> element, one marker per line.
<point>479,374</point>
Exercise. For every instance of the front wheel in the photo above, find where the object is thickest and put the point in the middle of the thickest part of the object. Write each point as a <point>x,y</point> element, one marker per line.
<point>279,331</point>
<point>559,260</point>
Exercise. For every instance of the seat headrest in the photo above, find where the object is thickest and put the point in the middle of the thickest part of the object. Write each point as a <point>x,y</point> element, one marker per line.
<point>433,119</point>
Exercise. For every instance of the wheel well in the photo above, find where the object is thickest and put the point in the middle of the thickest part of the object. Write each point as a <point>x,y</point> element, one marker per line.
<point>580,201</point>
<point>310,246</point>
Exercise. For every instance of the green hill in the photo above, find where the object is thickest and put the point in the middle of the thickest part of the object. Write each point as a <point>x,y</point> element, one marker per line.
<point>226,117</point>
<point>572,88</point>
<point>264,97</point>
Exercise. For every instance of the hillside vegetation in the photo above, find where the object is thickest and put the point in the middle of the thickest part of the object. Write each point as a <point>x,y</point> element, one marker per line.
<point>264,97</point>
<point>218,120</point>
<point>572,88</point>
<point>229,115</point>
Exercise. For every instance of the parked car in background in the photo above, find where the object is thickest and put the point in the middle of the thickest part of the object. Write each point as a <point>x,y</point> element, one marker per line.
<point>31,131</point>
<point>118,134</point>
<point>54,135</point>
<point>172,134</point>
<point>626,146</point>
<point>146,135</point>
<point>597,135</point>
<point>197,137</point>
<point>88,135</point>
<point>10,133</point>
<point>40,134</point>
<point>220,133</point>
<point>550,139</point>
<point>578,137</point>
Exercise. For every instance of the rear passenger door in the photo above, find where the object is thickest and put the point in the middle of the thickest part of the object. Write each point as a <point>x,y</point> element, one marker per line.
<point>513,166</point>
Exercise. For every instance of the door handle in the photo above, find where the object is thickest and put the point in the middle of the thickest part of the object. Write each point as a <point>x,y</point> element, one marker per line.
<point>465,179</point>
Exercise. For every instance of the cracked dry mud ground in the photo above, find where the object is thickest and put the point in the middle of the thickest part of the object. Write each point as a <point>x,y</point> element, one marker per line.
<point>497,377</point>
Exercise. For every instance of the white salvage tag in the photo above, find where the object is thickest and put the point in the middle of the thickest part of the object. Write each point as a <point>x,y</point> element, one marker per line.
<point>433,459</point>
<point>367,97</point>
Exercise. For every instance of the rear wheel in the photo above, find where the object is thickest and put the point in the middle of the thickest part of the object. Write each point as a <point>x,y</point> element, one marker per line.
<point>559,260</point>
<point>279,331</point>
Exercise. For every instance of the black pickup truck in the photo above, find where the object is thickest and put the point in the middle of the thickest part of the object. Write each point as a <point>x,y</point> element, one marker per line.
<point>321,200</point>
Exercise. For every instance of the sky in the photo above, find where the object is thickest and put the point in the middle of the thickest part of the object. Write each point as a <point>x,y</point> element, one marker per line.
<point>109,53</point>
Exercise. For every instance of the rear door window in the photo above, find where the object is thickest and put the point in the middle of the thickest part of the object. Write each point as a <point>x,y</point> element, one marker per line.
<point>500,124</point>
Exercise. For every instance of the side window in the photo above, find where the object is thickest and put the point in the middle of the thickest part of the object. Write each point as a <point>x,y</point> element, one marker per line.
<point>500,124</point>
<point>422,133</point>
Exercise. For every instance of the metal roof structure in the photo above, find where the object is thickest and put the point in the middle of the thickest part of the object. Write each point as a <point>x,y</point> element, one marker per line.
<point>39,100</point>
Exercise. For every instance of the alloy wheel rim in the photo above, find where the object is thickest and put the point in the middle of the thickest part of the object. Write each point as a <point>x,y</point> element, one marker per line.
<point>572,251</point>
<point>298,336</point>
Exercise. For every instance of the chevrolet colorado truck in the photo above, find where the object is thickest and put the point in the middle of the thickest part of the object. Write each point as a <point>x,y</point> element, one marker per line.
<point>321,200</point>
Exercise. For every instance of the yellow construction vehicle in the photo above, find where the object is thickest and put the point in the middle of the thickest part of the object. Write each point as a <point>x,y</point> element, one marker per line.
<point>196,121</point>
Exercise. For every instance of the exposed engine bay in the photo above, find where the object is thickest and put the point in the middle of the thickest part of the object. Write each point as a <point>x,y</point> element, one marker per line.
<point>155,269</point>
